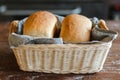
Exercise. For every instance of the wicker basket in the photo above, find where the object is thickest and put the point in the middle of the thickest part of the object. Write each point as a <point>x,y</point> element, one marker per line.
<point>62,58</point>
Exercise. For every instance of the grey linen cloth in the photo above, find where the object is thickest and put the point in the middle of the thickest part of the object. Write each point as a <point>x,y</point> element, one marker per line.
<point>103,35</point>
<point>16,39</point>
<point>98,34</point>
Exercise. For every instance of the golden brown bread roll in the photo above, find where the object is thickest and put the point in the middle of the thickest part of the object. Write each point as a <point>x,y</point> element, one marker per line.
<point>40,24</point>
<point>13,26</point>
<point>76,28</point>
<point>103,25</point>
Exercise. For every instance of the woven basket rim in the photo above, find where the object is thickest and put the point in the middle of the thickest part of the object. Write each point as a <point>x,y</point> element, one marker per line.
<point>64,46</point>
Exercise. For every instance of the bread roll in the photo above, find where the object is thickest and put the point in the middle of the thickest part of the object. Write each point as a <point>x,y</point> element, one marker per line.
<point>75,29</point>
<point>103,25</point>
<point>13,26</point>
<point>40,24</point>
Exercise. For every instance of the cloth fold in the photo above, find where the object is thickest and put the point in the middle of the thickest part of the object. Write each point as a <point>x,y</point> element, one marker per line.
<point>16,39</point>
<point>99,34</point>
<point>103,35</point>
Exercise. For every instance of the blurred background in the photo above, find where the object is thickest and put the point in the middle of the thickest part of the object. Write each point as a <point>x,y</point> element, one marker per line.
<point>18,9</point>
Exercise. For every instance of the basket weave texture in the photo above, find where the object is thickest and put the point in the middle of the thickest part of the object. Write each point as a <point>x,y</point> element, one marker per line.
<point>62,58</point>
<point>59,58</point>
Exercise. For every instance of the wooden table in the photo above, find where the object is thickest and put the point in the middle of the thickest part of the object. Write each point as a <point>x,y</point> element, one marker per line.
<point>9,69</point>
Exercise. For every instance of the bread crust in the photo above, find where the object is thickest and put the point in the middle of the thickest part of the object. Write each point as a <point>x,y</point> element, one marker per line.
<point>13,26</point>
<point>103,25</point>
<point>40,24</point>
<point>75,29</point>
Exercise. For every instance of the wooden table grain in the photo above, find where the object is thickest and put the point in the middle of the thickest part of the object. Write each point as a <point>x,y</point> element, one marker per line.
<point>9,69</point>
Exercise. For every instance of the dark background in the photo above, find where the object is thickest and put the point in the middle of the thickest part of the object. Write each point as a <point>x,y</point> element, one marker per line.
<point>18,9</point>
